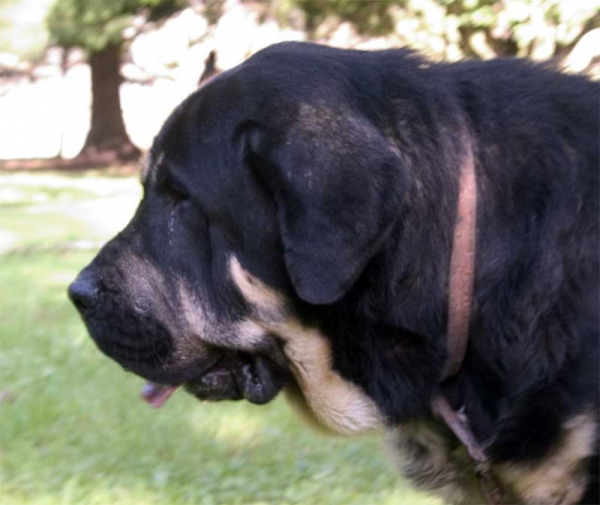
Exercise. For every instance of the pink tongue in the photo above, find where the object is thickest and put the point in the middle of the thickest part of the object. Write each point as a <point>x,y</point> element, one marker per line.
<point>157,394</point>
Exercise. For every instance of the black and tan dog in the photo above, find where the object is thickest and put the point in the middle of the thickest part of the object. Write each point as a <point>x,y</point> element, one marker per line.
<point>296,233</point>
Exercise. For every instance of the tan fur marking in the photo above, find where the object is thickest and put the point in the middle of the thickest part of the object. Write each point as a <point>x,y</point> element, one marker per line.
<point>268,301</point>
<point>196,319</point>
<point>339,405</point>
<point>560,479</point>
<point>296,400</point>
<point>432,463</point>
<point>201,326</point>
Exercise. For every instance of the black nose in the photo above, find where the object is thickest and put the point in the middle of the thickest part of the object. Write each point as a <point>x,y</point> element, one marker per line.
<point>84,291</point>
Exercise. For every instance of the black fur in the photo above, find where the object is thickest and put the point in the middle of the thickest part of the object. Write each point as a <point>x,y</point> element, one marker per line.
<point>332,175</point>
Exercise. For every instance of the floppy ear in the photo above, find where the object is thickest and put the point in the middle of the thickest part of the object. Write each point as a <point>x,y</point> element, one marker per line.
<point>338,185</point>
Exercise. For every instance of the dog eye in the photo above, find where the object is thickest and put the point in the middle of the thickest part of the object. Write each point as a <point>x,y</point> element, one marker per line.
<point>178,196</point>
<point>174,192</point>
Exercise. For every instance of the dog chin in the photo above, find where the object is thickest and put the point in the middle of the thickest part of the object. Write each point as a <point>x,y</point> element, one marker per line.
<point>240,376</point>
<point>234,376</point>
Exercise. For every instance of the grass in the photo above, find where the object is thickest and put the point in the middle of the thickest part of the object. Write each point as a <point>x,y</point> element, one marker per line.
<point>72,428</point>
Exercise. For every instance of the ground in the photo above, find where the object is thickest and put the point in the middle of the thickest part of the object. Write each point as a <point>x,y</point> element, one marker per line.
<point>72,428</point>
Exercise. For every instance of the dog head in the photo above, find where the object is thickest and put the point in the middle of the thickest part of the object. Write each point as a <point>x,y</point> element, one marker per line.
<point>267,191</point>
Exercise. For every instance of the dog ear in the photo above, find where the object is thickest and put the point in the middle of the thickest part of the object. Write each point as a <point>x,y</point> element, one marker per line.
<point>338,188</point>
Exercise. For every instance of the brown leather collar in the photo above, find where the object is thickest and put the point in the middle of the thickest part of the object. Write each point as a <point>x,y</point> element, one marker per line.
<point>462,268</point>
<point>460,299</point>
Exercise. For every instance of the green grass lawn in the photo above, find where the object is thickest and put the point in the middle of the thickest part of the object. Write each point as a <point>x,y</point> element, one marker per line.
<point>72,427</point>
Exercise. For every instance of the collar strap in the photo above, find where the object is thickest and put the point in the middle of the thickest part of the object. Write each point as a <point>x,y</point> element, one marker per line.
<point>460,298</point>
<point>462,268</point>
<point>458,424</point>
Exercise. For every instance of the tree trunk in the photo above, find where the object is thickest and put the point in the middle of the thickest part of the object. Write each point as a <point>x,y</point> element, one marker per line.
<point>107,138</point>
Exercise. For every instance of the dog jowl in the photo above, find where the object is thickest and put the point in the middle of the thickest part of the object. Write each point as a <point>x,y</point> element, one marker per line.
<point>296,234</point>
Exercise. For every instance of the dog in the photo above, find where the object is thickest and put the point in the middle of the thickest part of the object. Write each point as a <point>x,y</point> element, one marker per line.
<point>297,234</point>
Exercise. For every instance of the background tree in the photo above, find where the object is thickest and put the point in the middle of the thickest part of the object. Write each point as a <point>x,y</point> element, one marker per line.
<point>97,26</point>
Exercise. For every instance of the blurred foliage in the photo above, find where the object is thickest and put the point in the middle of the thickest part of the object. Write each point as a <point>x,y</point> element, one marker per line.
<point>449,29</point>
<point>4,5</point>
<point>213,10</point>
<point>95,24</point>
<point>524,27</point>
<point>457,28</point>
<point>5,21</point>
<point>21,32</point>
<point>368,17</point>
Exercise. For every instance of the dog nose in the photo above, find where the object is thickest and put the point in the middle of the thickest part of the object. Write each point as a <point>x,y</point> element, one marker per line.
<point>84,291</point>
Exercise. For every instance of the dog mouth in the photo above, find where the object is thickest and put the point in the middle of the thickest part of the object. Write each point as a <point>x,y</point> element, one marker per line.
<point>157,394</point>
<point>232,376</point>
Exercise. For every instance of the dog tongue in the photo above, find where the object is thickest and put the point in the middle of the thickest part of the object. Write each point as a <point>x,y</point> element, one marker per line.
<point>157,394</point>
